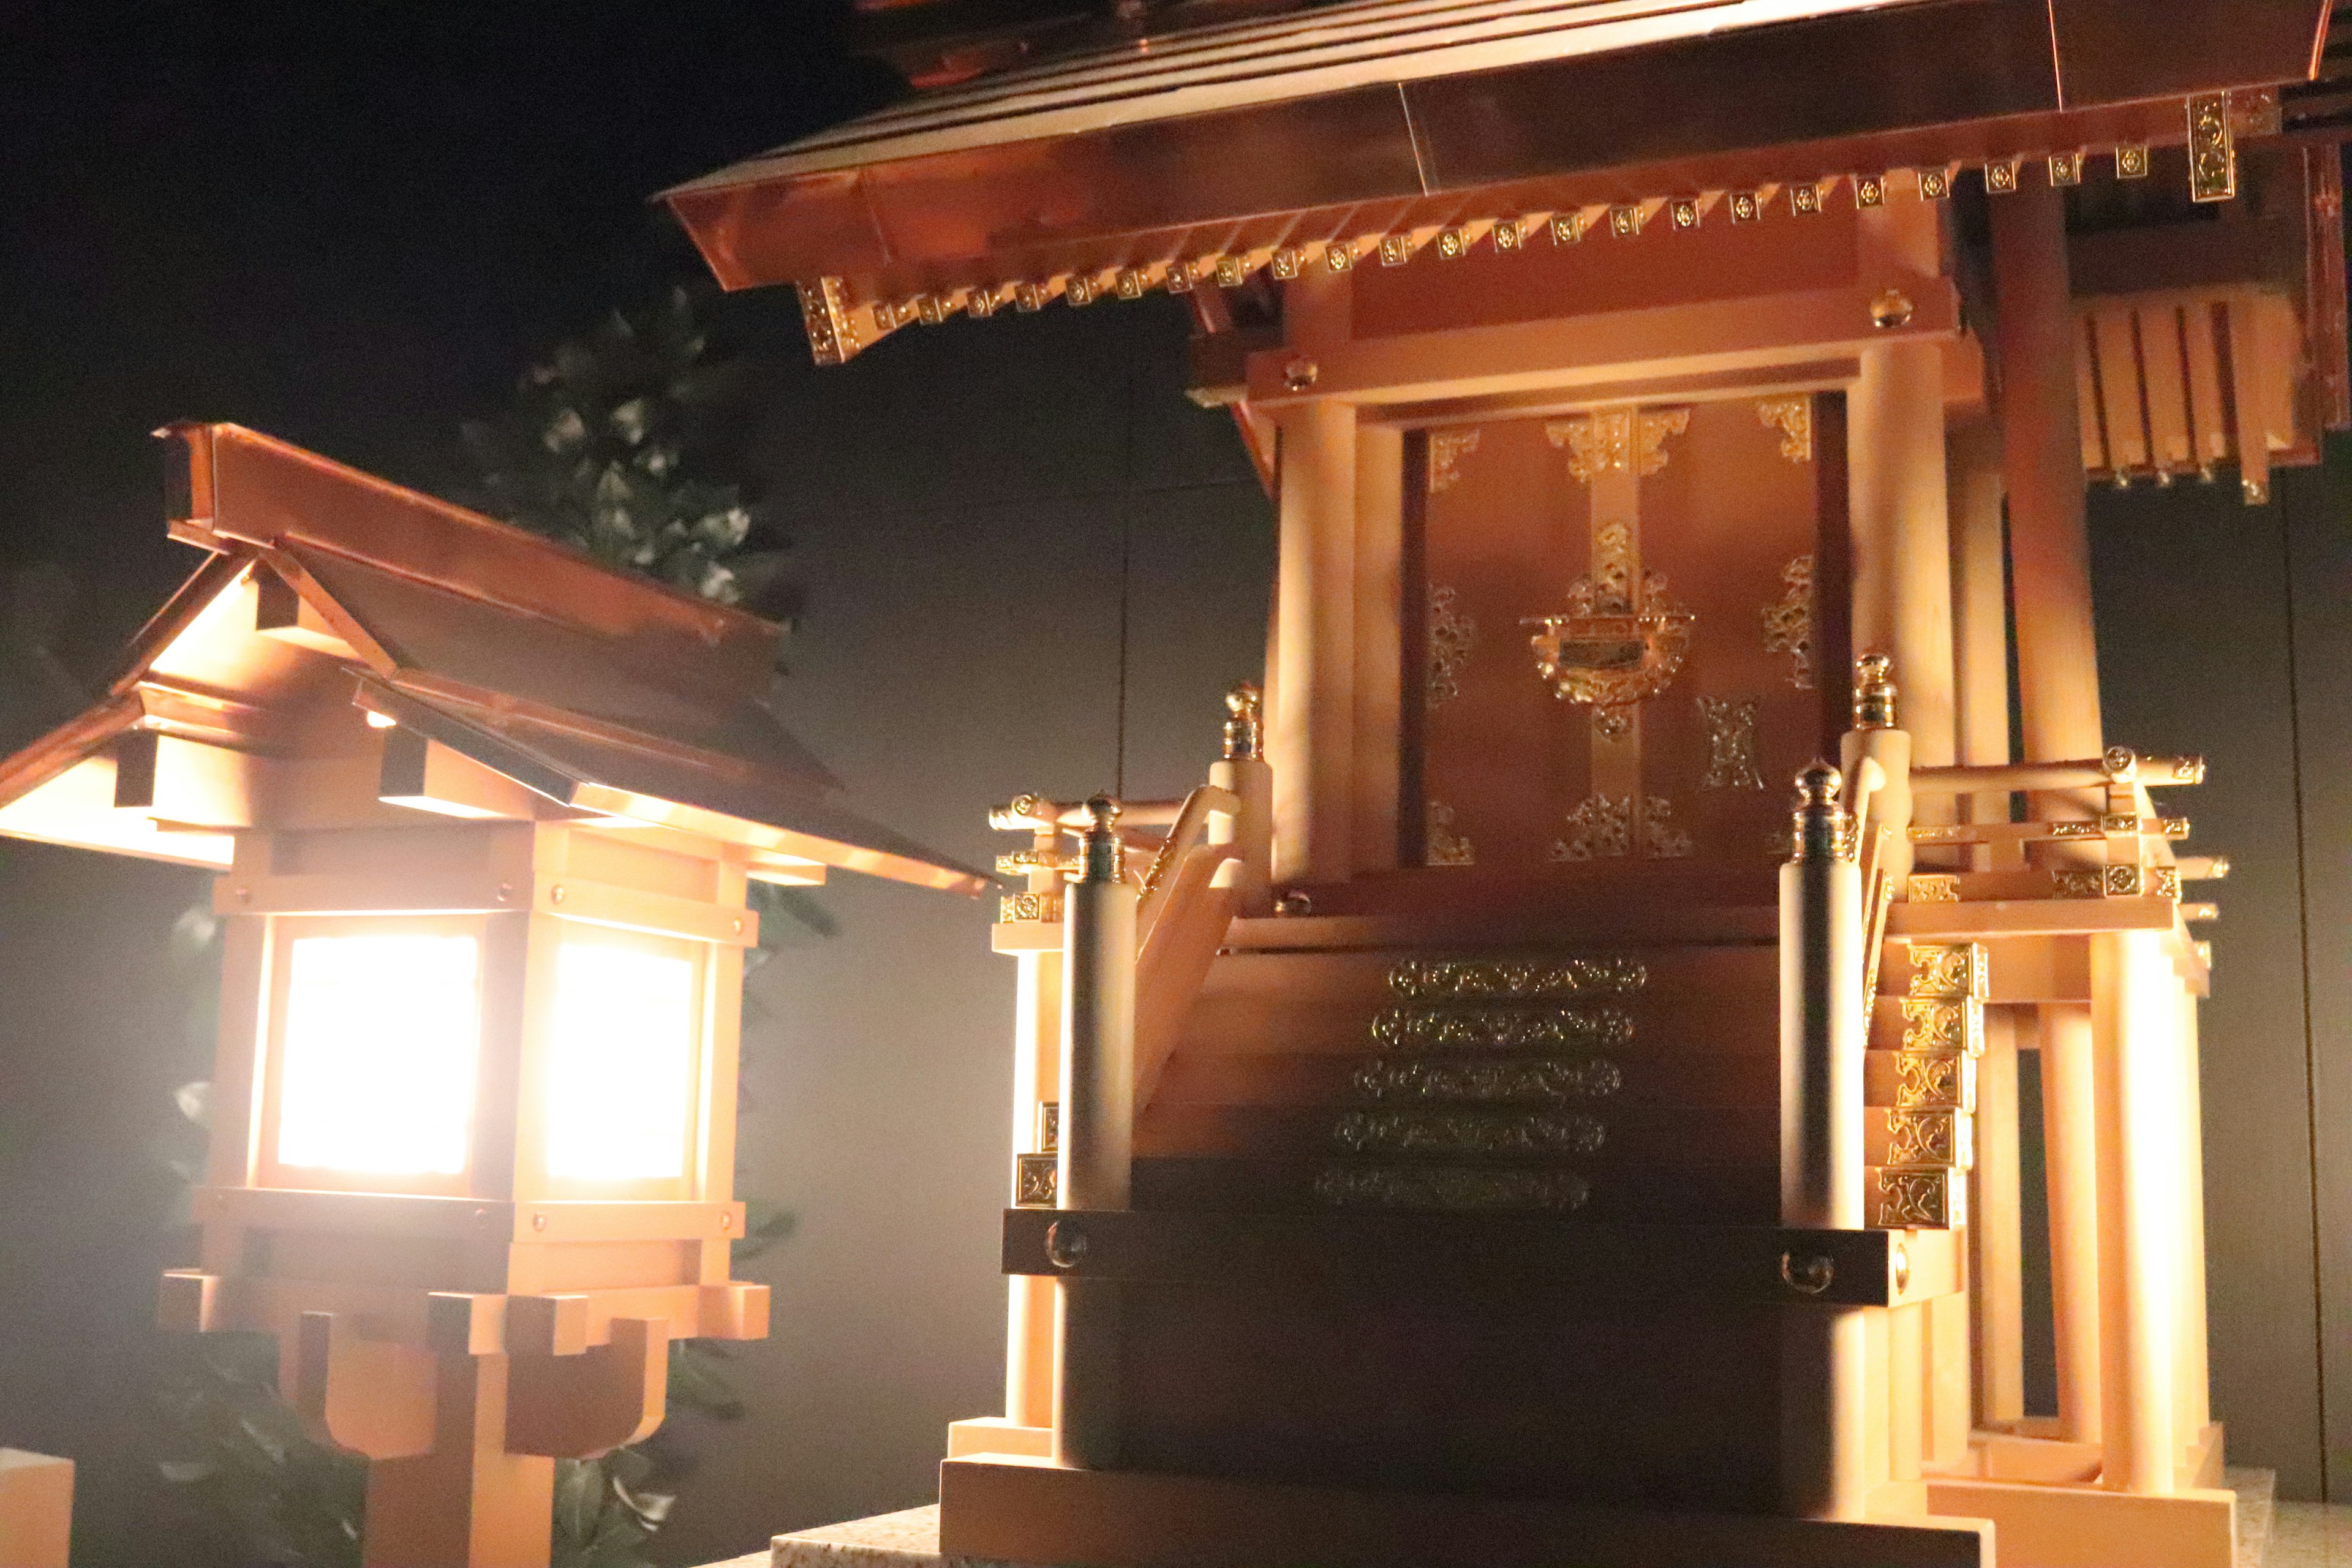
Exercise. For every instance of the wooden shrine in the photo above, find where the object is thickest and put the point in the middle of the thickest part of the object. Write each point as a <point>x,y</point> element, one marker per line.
<point>1485,1123</point>
<point>484,813</point>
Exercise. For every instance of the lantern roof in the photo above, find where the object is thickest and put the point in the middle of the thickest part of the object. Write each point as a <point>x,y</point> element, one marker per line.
<point>1161,159</point>
<point>539,682</point>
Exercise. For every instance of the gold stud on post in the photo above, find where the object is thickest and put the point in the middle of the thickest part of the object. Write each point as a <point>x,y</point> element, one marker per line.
<point>1241,720</point>
<point>1874,692</point>
<point>1822,828</point>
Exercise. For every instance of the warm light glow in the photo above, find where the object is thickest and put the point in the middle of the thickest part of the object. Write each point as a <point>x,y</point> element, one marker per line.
<point>381,1032</point>
<point>621,1070</point>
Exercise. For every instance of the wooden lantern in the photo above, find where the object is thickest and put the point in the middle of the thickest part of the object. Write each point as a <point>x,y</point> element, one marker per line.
<point>485,814</point>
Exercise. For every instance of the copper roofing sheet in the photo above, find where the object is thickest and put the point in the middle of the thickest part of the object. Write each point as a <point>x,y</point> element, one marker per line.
<point>552,665</point>
<point>1382,112</point>
<point>1330,49</point>
<point>602,691</point>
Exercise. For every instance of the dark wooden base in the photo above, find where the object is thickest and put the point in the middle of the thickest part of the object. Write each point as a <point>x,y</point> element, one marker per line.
<point>1028,1511</point>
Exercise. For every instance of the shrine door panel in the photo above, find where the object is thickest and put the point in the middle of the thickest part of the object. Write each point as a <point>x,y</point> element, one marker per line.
<point>1621,637</point>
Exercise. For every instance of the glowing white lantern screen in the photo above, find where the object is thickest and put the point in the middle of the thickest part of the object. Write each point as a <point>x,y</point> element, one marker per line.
<point>377,1074</point>
<point>621,1072</point>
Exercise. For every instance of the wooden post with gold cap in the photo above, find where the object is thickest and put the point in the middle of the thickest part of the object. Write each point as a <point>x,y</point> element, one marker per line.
<point>1097,1135</point>
<point>1823,1427</point>
<point>1250,830</point>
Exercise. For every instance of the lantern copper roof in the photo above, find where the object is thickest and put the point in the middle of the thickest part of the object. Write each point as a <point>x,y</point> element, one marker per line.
<point>1160,162</point>
<point>537,681</point>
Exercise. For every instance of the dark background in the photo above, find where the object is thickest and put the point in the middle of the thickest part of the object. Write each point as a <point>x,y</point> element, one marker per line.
<point>353,225</point>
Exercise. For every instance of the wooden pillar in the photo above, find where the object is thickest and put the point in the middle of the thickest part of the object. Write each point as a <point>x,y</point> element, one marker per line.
<point>1980,695</point>
<point>1097,1134</point>
<point>1243,772</point>
<point>1036,1078</point>
<point>2070,1142</point>
<point>1311,722</point>
<point>1901,546</point>
<point>2195,1391</point>
<point>1378,669</point>
<point>468,1503</point>
<point>1825,1417</point>
<point>2041,468</point>
<point>2136,1026</point>
<point>1998,1274</point>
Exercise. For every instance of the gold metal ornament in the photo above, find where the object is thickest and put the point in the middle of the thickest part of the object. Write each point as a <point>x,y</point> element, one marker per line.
<point>1500,1027</point>
<point>1792,416</point>
<point>1450,1131</point>
<point>1451,1188</point>
<point>1516,979</point>
<point>1788,621</point>
<point>1451,637</point>
<point>1441,845</point>
<point>2212,149</point>
<point>1447,450</point>
<point>1552,1081</point>
<point>1730,743</point>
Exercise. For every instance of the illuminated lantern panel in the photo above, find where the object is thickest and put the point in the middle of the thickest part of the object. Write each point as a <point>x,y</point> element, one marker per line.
<point>377,1053</point>
<point>625,1037</point>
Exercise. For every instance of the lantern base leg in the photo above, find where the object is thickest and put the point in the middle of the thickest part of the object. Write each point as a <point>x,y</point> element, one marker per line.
<point>468,1504</point>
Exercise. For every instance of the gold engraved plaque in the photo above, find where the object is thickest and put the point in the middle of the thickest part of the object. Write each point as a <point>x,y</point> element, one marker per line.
<point>1418,1132</point>
<point>1948,969</point>
<point>1036,1181</point>
<point>1471,1189</point>
<point>1788,621</point>
<point>1928,1199</point>
<point>1440,844</point>
<point>1017,907</point>
<point>1447,450</point>
<point>1600,828</point>
<point>1452,635</point>
<point>1501,1028</point>
<point>1943,1023</point>
<point>1730,743</point>
<point>2213,152</point>
<point>1933,888</point>
<point>1934,1080</point>
<point>1544,1079</point>
<point>1482,979</point>
<point>1920,1136</point>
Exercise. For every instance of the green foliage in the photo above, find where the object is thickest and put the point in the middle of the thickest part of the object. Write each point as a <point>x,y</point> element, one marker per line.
<point>611,443</point>
<point>240,1457</point>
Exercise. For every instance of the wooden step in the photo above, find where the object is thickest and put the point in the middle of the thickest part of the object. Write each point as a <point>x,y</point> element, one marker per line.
<point>1694,1188</point>
<point>1634,1134</point>
<point>1724,997</point>
<point>1646,1074</point>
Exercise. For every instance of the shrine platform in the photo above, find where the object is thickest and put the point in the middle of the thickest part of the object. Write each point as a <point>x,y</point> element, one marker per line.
<point>2271,1534</point>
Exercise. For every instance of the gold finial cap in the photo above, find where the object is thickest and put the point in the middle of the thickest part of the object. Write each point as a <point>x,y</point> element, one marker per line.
<point>1243,704</point>
<point>1822,829</point>
<point>1105,853</point>
<point>1874,692</point>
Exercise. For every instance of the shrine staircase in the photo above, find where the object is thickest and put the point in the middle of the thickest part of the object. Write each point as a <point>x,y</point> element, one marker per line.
<point>1603,1051</point>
